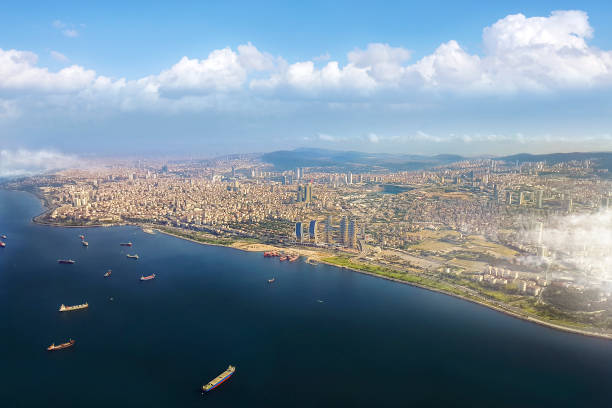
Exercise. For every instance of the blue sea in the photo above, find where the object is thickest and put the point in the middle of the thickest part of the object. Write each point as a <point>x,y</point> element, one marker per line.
<point>318,336</point>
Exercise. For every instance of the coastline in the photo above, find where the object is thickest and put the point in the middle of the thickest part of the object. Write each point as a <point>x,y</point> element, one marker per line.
<point>313,255</point>
<point>465,298</point>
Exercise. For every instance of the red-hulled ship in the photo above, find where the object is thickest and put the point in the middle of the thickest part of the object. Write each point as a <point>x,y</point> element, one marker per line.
<point>2,244</point>
<point>293,258</point>
<point>146,278</point>
<point>82,237</point>
<point>283,258</point>
<point>108,273</point>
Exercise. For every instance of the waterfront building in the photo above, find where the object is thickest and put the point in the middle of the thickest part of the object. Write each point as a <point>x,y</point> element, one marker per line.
<point>352,234</point>
<point>344,231</point>
<point>312,230</point>
<point>328,229</point>
<point>299,234</point>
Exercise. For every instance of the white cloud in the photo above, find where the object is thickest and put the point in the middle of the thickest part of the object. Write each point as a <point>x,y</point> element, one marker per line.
<point>581,240</point>
<point>18,72</point>
<point>327,138</point>
<point>220,71</point>
<point>67,30</point>
<point>521,54</point>
<point>70,32</point>
<point>373,138</point>
<point>58,56</point>
<point>27,162</point>
<point>322,57</point>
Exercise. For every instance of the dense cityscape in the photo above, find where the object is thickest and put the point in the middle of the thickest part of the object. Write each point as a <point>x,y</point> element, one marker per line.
<point>480,229</point>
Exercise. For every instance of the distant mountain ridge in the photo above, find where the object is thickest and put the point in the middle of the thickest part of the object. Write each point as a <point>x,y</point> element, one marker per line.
<point>353,160</point>
<point>558,157</point>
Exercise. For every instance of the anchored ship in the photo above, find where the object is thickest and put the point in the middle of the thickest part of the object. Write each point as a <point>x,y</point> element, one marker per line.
<point>270,254</point>
<point>82,237</point>
<point>146,278</point>
<point>132,256</point>
<point>2,244</point>
<point>64,308</point>
<point>283,258</point>
<point>3,236</point>
<point>293,258</point>
<point>126,244</point>
<point>108,273</point>
<point>271,280</point>
<point>85,243</point>
<point>66,261</point>
<point>52,347</point>
<point>220,379</point>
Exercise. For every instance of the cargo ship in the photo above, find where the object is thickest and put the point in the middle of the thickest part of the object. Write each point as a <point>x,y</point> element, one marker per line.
<point>66,261</point>
<point>64,308</point>
<point>221,378</point>
<point>108,273</point>
<point>132,256</point>
<point>85,243</point>
<point>2,244</point>
<point>146,278</point>
<point>271,280</point>
<point>52,347</point>
<point>126,244</point>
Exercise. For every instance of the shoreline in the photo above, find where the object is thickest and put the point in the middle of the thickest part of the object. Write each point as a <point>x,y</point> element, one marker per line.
<point>543,323</point>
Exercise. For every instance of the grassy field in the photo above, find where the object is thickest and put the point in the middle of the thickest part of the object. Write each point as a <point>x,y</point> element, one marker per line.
<point>409,275</point>
<point>197,236</point>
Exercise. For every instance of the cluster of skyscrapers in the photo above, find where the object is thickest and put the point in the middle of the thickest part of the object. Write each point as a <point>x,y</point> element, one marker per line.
<point>346,236</point>
<point>304,193</point>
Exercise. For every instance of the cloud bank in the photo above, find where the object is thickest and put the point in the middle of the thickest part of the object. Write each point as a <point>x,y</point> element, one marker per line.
<point>14,163</point>
<point>581,240</point>
<point>520,54</point>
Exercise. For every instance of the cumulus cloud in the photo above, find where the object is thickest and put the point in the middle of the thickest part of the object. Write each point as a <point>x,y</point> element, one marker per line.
<point>28,162</point>
<point>18,72</point>
<point>520,54</point>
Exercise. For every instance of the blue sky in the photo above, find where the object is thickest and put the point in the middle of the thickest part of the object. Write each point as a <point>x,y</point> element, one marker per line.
<point>205,79</point>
